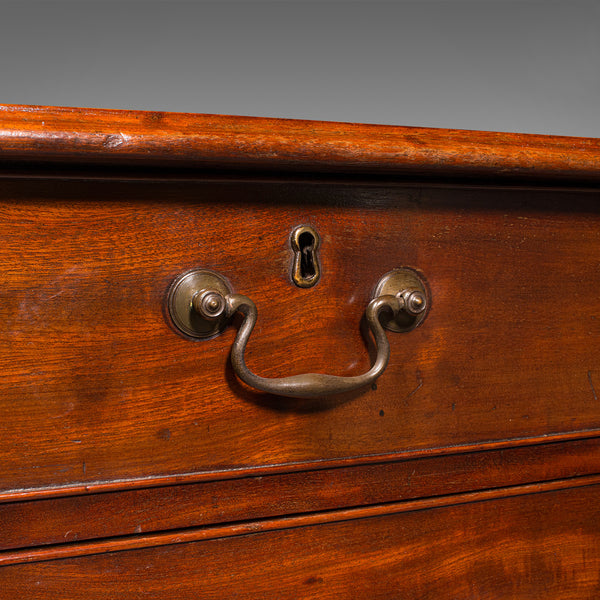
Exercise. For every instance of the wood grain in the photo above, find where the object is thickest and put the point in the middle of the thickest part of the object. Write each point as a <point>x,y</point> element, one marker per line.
<point>98,387</point>
<point>84,136</point>
<point>124,543</point>
<point>537,545</point>
<point>143,511</point>
<point>134,464</point>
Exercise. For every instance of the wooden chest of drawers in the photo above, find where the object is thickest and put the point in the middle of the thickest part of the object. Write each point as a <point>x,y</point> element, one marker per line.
<point>138,458</point>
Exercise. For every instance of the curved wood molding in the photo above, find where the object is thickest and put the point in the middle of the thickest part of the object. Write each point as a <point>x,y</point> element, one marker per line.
<point>61,551</point>
<point>215,142</point>
<point>132,511</point>
<point>114,485</point>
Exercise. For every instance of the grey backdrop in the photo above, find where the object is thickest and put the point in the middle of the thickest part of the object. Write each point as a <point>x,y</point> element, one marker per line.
<point>528,66</point>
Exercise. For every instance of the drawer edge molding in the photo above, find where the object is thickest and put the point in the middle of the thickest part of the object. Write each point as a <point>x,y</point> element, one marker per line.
<point>121,513</point>
<point>238,473</point>
<point>73,550</point>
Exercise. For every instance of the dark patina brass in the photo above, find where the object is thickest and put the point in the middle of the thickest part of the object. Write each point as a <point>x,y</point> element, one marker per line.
<point>196,303</point>
<point>202,302</point>
<point>306,268</point>
<point>407,283</point>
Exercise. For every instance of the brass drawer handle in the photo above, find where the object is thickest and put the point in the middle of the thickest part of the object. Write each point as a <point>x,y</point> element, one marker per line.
<point>201,303</point>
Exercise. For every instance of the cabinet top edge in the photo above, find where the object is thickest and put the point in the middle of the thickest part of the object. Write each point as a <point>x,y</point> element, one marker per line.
<point>90,136</point>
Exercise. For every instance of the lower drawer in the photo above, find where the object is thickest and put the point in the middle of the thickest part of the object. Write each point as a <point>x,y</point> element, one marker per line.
<point>544,545</point>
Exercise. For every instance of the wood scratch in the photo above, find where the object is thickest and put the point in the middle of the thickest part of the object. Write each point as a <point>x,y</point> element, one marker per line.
<point>419,386</point>
<point>55,295</point>
<point>592,386</point>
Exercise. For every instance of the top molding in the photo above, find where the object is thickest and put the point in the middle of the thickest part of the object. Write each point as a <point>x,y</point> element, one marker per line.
<point>82,136</point>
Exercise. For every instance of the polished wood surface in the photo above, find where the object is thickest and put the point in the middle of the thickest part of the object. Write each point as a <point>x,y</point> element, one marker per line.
<point>122,543</point>
<point>536,546</point>
<point>136,512</point>
<point>134,463</point>
<point>83,135</point>
<point>99,386</point>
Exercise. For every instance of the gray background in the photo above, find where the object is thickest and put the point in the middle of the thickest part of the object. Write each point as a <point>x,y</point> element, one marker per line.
<point>527,66</point>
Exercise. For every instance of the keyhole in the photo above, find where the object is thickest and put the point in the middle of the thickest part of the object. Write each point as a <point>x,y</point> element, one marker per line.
<point>305,244</point>
<point>306,241</point>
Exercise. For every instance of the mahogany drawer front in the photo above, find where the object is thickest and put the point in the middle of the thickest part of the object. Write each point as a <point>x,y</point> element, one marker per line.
<point>536,546</point>
<point>164,510</point>
<point>97,386</point>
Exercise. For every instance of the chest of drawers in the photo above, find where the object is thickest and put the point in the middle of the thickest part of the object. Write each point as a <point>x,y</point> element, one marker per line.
<point>142,457</point>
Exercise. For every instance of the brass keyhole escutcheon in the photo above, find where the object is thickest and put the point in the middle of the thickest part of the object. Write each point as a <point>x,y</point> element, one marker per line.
<point>306,268</point>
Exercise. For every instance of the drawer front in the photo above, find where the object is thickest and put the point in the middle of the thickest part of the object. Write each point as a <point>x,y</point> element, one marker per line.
<point>535,546</point>
<point>98,386</point>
